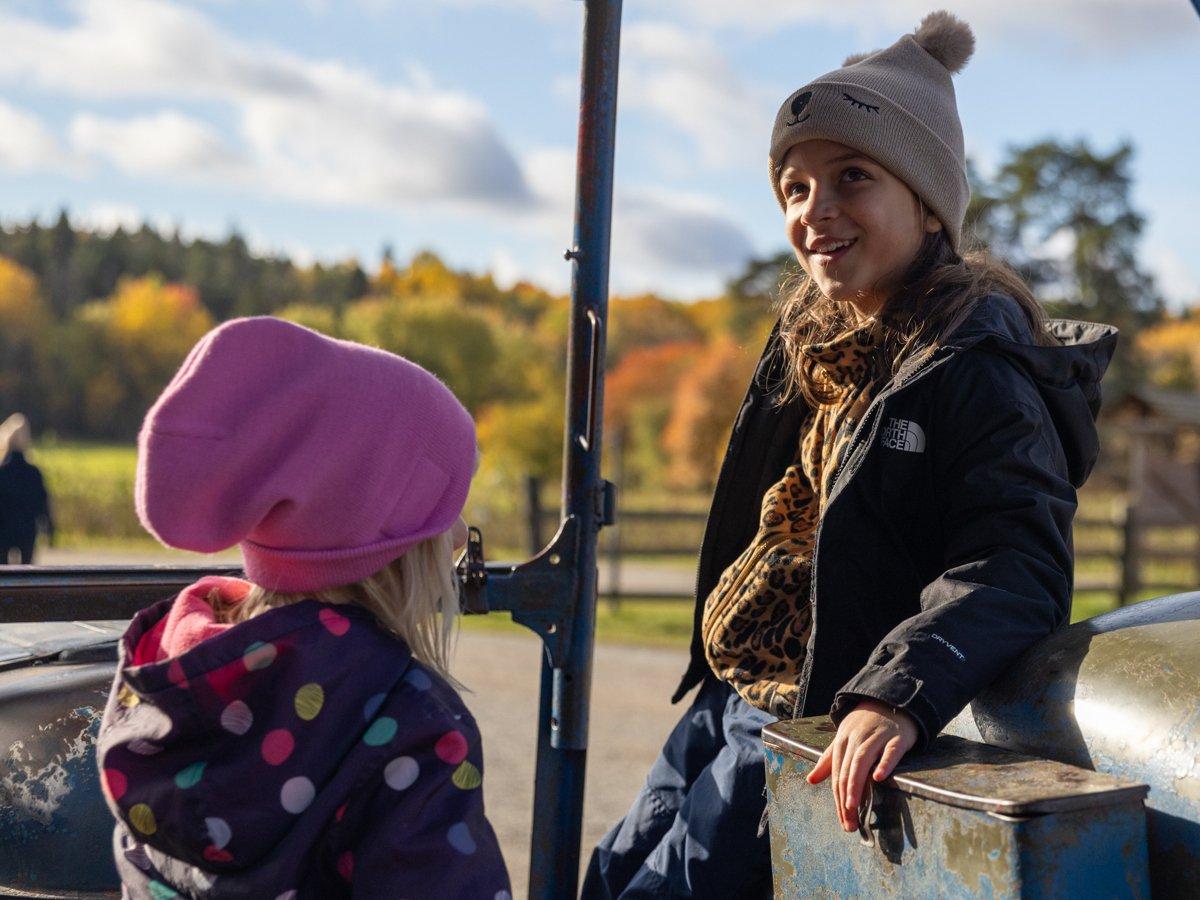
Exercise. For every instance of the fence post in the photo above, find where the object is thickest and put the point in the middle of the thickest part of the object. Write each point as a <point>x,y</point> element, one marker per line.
<point>533,509</point>
<point>1130,561</point>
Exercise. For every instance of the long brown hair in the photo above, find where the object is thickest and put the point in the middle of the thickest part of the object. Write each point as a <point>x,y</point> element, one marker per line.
<point>936,294</point>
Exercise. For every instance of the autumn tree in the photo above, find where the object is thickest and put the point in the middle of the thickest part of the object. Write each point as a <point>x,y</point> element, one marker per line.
<point>312,315</point>
<point>1171,351</point>
<point>639,396</point>
<point>456,344</point>
<point>146,328</point>
<point>644,321</point>
<point>25,331</point>
<point>706,400</point>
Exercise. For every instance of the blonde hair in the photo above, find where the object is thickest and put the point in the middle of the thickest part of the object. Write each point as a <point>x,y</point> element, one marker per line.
<point>937,293</point>
<point>415,597</point>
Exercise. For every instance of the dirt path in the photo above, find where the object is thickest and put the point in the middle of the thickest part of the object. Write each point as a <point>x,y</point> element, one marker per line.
<point>631,717</point>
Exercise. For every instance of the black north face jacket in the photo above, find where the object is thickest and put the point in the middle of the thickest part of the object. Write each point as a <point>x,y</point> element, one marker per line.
<point>945,547</point>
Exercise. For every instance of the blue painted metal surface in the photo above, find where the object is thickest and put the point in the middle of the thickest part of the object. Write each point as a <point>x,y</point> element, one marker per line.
<point>56,830</point>
<point>937,829</point>
<point>1119,693</point>
<point>587,500</point>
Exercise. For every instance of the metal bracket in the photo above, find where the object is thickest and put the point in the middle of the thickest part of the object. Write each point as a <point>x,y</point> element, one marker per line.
<point>606,503</point>
<point>540,593</point>
<point>472,575</point>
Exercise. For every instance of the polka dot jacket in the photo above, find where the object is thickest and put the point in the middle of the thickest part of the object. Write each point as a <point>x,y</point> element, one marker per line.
<point>303,753</point>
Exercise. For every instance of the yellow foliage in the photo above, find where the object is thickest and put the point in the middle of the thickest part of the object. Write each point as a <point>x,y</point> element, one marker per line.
<point>21,308</point>
<point>1172,352</point>
<point>148,327</point>
<point>145,315</point>
<point>387,281</point>
<point>426,276</point>
<point>310,315</point>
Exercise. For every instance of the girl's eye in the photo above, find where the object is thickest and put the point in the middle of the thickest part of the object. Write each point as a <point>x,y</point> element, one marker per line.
<point>855,175</point>
<point>793,189</point>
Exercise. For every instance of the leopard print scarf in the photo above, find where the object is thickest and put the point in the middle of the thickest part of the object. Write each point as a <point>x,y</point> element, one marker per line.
<point>757,620</point>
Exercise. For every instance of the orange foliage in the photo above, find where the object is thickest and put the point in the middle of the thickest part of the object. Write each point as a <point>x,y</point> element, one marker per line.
<point>706,400</point>
<point>646,374</point>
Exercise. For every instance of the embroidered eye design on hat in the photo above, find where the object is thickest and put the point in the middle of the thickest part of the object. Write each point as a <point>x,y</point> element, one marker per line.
<point>798,107</point>
<point>858,104</point>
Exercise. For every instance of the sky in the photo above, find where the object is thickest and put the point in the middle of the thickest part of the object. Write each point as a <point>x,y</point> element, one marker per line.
<point>323,129</point>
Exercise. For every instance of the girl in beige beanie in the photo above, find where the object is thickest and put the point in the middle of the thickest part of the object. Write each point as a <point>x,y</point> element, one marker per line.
<point>917,427</point>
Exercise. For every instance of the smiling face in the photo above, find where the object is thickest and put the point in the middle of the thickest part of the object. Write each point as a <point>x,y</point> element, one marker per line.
<point>854,225</point>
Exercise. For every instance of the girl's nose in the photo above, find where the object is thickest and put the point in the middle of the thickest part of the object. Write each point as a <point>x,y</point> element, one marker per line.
<point>819,207</point>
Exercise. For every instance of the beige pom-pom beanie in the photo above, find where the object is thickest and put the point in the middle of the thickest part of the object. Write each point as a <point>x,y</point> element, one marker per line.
<point>897,106</point>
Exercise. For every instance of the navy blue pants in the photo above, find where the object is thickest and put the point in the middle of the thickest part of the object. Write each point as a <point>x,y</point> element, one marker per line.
<point>693,829</point>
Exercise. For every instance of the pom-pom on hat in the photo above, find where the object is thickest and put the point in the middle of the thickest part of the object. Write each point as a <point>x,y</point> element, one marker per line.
<point>323,459</point>
<point>897,106</point>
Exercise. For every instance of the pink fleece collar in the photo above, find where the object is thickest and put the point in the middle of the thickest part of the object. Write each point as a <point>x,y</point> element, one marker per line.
<point>190,621</point>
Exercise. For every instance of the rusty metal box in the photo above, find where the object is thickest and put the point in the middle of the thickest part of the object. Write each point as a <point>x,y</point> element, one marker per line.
<point>962,820</point>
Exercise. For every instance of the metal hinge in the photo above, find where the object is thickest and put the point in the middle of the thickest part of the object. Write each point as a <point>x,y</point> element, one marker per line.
<point>606,503</point>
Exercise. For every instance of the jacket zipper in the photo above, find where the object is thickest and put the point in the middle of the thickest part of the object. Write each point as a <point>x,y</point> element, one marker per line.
<point>874,414</point>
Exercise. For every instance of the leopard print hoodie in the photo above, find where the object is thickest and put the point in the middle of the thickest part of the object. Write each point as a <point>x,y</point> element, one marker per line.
<point>758,618</point>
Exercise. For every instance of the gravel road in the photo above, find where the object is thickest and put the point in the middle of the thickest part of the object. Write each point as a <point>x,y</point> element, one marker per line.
<point>631,717</point>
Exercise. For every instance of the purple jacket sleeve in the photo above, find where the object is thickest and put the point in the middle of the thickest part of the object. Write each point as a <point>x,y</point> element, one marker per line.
<point>422,831</point>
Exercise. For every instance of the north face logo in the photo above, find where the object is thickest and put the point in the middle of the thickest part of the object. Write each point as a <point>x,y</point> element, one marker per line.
<point>901,434</point>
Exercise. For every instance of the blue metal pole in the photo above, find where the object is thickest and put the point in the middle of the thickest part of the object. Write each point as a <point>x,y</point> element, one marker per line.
<point>566,683</point>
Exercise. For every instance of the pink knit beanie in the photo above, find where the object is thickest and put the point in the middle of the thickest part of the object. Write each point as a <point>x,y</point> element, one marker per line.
<point>324,459</point>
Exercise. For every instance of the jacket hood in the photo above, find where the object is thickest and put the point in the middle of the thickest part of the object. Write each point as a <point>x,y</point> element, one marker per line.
<point>1067,374</point>
<point>268,707</point>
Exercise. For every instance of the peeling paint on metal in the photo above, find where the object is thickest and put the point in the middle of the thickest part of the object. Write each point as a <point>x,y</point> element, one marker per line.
<point>1117,693</point>
<point>978,856</point>
<point>37,786</point>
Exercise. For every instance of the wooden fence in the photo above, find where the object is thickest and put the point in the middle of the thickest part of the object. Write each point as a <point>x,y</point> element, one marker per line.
<point>1123,554</point>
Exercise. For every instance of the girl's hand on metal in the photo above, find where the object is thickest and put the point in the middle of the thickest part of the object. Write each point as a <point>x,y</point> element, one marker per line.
<point>871,739</point>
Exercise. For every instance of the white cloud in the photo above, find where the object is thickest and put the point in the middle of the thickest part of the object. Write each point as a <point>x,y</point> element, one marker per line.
<point>316,130</point>
<point>108,217</point>
<point>1082,26</point>
<point>684,244</point>
<point>674,241</point>
<point>322,131</point>
<point>685,80</point>
<point>167,143</point>
<point>27,145</point>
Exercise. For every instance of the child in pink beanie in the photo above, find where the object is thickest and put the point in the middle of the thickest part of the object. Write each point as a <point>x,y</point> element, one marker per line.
<point>296,734</point>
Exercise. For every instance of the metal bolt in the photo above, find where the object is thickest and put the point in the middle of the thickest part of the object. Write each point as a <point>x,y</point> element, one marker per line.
<point>571,253</point>
<point>555,559</point>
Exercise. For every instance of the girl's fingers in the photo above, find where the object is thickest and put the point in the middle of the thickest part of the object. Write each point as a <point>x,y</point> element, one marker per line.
<point>843,772</point>
<point>838,748</point>
<point>823,767</point>
<point>859,765</point>
<point>892,755</point>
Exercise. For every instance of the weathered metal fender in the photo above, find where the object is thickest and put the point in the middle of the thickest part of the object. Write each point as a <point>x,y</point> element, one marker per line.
<point>1119,693</point>
<point>55,830</point>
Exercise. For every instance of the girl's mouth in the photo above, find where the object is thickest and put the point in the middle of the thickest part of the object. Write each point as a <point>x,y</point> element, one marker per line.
<point>833,250</point>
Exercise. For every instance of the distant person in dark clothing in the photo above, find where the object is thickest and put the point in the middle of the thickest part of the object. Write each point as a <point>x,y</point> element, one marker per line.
<point>24,503</point>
